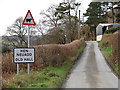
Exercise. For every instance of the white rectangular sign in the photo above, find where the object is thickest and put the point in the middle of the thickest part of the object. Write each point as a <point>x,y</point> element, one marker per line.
<point>24,55</point>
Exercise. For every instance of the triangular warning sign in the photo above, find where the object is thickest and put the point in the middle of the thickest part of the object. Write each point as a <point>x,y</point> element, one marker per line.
<point>29,19</point>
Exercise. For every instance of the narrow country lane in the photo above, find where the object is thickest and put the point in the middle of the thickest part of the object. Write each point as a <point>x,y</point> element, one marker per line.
<point>91,71</point>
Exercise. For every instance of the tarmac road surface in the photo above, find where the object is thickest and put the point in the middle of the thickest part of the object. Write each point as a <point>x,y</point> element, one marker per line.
<point>91,70</point>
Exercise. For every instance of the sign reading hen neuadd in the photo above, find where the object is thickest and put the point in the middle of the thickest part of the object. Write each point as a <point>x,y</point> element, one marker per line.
<point>24,55</point>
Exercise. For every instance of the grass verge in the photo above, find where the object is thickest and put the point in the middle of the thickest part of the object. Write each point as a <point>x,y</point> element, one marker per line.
<point>50,77</point>
<point>106,48</point>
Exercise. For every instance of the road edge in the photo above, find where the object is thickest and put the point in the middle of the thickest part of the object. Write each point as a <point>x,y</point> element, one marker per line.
<point>112,69</point>
<point>74,63</point>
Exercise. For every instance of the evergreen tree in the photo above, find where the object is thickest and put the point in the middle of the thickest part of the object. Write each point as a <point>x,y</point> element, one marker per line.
<point>95,14</point>
<point>110,6</point>
<point>64,12</point>
<point>118,18</point>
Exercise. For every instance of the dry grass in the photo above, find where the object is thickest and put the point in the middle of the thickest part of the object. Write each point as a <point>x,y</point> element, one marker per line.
<point>45,55</point>
<point>116,46</point>
<point>107,40</point>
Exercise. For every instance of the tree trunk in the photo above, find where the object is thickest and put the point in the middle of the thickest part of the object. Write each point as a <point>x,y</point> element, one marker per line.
<point>112,12</point>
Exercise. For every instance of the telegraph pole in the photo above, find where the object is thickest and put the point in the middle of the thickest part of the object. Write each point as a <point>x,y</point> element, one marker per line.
<point>79,26</point>
<point>83,19</point>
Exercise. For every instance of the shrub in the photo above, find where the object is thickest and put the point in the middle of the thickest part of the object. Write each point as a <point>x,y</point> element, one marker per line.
<point>5,49</point>
<point>86,33</point>
<point>111,30</point>
<point>106,40</point>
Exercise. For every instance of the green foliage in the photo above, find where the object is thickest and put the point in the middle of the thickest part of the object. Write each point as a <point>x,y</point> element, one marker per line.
<point>111,30</point>
<point>64,9</point>
<point>60,31</point>
<point>108,49</point>
<point>5,49</point>
<point>95,14</point>
<point>117,67</point>
<point>118,18</point>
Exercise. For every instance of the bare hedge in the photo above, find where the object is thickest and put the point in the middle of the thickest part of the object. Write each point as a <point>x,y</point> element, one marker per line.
<point>45,55</point>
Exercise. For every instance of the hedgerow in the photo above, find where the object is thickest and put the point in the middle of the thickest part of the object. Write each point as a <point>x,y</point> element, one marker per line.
<point>45,55</point>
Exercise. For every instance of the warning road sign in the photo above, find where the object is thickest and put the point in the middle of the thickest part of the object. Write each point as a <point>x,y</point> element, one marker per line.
<point>29,19</point>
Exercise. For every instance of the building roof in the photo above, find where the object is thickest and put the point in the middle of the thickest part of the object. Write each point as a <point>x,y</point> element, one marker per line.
<point>117,6</point>
<point>106,24</point>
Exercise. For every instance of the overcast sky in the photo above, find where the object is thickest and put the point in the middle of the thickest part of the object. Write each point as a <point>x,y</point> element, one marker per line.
<point>13,9</point>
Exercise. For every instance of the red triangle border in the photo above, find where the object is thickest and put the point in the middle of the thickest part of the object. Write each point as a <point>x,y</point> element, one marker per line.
<point>26,17</point>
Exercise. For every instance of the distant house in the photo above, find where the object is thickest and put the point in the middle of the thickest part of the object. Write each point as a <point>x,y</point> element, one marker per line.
<point>102,27</point>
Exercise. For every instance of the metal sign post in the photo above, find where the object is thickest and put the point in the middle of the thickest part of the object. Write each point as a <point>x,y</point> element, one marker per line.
<point>79,27</point>
<point>29,21</point>
<point>28,47</point>
<point>20,54</point>
<point>17,69</point>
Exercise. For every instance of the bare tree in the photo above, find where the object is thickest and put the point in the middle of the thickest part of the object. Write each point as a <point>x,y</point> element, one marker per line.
<point>16,34</point>
<point>49,17</point>
<point>51,24</point>
<point>40,27</point>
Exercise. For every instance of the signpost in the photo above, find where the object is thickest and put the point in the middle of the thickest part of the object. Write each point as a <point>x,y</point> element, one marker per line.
<point>25,55</point>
